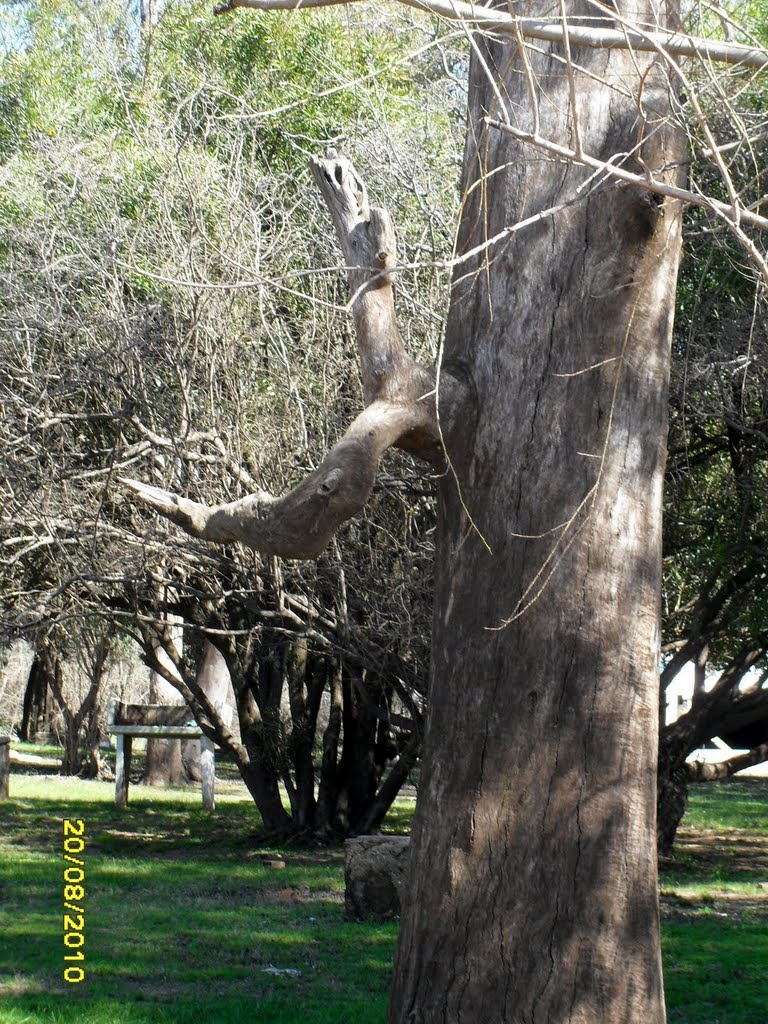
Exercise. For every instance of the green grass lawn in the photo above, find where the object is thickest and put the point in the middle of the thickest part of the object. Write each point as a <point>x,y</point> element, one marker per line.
<point>185,922</point>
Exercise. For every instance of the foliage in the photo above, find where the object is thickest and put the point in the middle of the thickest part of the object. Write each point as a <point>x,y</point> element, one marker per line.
<point>715,598</point>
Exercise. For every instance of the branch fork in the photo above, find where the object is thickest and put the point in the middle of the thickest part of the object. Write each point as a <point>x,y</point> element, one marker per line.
<point>400,398</point>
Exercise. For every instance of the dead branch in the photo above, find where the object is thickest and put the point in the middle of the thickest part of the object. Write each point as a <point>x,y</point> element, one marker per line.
<point>401,409</point>
<point>677,44</point>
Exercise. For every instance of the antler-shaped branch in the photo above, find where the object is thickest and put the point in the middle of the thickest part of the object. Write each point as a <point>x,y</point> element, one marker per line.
<point>399,394</point>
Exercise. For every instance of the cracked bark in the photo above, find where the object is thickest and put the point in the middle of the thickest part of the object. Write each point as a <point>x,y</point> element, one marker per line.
<point>533,854</point>
<point>546,849</point>
<point>399,394</point>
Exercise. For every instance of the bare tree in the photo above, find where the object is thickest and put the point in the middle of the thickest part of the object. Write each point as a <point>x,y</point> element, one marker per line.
<point>534,861</point>
<point>132,344</point>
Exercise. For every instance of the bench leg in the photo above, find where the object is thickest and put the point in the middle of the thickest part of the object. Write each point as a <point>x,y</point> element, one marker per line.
<point>207,773</point>
<point>5,767</point>
<point>122,768</point>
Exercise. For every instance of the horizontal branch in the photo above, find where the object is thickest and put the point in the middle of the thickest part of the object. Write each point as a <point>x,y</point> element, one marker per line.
<point>301,523</point>
<point>706,771</point>
<point>733,214</point>
<point>496,20</point>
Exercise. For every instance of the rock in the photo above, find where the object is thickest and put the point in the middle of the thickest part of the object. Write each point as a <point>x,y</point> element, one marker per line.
<point>374,872</point>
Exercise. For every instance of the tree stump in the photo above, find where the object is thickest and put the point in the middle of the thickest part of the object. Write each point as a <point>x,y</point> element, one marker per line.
<point>374,873</point>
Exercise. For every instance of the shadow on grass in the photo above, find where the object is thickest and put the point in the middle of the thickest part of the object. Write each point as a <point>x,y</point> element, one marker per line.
<point>184,922</point>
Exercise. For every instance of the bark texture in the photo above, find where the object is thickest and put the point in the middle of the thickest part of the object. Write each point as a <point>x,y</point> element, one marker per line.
<point>532,894</point>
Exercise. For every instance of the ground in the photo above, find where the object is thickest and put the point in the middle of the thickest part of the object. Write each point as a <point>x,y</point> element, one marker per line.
<point>190,917</point>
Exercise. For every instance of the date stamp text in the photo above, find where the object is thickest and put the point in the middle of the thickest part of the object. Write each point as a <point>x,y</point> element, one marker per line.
<point>74,900</point>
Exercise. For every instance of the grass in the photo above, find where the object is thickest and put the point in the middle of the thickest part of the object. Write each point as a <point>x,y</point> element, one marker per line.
<point>714,897</point>
<point>183,917</point>
<point>185,920</point>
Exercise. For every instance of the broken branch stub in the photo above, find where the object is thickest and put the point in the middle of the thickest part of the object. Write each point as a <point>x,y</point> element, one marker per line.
<point>367,238</point>
<point>399,394</point>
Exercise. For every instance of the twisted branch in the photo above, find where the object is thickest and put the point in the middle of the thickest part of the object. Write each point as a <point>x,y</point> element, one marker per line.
<point>400,397</point>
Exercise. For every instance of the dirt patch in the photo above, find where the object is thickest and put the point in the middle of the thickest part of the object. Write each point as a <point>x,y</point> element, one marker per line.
<point>711,856</point>
<point>733,906</point>
<point>734,851</point>
<point>738,850</point>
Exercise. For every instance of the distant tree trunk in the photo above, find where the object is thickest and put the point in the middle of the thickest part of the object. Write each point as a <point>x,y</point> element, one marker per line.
<point>164,765</point>
<point>36,714</point>
<point>533,884</point>
<point>715,712</point>
<point>77,715</point>
<point>214,680</point>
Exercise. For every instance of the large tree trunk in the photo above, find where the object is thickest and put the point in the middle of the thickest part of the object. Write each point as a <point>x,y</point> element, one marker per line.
<point>532,894</point>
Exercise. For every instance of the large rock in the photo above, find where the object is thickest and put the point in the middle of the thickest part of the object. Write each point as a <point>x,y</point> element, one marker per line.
<point>374,872</point>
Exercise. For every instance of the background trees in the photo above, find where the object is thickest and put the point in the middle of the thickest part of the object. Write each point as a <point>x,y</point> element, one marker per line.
<point>715,515</point>
<point>150,169</point>
<point>161,315</point>
<point>556,789</point>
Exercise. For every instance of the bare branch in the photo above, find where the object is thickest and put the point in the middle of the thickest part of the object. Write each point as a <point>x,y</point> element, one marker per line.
<point>612,170</point>
<point>400,397</point>
<point>495,20</point>
<point>367,238</point>
<point>705,771</point>
<point>302,522</point>
<point>733,214</point>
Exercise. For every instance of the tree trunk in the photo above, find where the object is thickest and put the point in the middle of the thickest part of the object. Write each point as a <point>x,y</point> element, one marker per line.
<point>214,680</point>
<point>164,765</point>
<point>71,761</point>
<point>672,803</point>
<point>329,785</point>
<point>532,894</point>
<point>35,715</point>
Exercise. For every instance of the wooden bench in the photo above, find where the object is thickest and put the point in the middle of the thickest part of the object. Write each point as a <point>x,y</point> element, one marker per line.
<point>158,721</point>
<point>5,765</point>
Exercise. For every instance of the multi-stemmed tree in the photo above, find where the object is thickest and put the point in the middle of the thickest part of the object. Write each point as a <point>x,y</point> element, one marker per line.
<point>143,174</point>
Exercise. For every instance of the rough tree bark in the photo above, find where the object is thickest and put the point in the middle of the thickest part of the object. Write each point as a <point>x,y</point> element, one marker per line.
<point>532,892</point>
